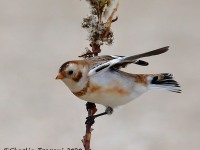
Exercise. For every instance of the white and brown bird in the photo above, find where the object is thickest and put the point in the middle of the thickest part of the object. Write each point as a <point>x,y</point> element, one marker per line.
<point>99,79</point>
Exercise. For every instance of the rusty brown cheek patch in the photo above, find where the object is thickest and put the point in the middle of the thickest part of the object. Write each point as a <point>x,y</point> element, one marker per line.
<point>77,77</point>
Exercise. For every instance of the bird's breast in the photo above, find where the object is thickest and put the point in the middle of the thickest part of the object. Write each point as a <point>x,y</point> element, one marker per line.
<point>112,89</point>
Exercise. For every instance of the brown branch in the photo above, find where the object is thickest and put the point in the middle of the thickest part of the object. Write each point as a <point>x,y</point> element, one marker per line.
<point>99,33</point>
<point>91,108</point>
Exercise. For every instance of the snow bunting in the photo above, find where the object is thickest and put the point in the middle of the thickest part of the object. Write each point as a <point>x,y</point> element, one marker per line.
<point>99,79</point>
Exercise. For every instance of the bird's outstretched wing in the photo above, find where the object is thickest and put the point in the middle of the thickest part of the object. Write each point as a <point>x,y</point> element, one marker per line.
<point>118,62</point>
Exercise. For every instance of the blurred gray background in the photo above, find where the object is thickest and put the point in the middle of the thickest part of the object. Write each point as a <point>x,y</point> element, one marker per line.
<point>36,37</point>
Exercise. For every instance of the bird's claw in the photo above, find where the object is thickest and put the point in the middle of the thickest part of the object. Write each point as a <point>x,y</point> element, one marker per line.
<point>109,110</point>
<point>90,120</point>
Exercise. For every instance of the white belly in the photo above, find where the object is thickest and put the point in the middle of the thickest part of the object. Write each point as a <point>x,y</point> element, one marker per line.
<point>113,89</point>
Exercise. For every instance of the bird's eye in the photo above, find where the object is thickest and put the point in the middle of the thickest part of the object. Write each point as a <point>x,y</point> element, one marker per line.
<point>70,72</point>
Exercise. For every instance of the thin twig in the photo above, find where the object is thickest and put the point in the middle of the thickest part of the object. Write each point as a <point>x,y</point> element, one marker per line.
<point>86,139</point>
<point>99,33</point>
<point>110,20</point>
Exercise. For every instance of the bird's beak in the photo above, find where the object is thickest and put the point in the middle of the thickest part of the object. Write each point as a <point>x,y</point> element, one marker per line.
<point>59,76</point>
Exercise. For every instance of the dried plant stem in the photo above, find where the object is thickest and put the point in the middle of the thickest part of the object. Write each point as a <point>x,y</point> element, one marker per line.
<point>86,139</point>
<point>110,20</point>
<point>99,26</point>
<point>100,33</point>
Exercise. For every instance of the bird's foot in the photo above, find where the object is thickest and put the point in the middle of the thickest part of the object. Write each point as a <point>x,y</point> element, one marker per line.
<point>90,120</point>
<point>109,110</point>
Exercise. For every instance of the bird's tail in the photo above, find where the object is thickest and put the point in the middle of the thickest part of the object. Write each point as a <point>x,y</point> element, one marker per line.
<point>164,81</point>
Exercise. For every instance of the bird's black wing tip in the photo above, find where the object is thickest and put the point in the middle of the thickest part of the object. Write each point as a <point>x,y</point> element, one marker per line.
<point>166,48</point>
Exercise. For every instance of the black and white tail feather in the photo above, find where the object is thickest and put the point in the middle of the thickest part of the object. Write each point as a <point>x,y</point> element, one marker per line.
<point>165,81</point>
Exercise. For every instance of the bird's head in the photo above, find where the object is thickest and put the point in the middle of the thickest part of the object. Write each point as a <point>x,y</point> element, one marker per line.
<point>73,74</point>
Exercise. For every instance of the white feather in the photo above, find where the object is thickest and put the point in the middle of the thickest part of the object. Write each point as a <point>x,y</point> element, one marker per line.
<point>108,64</point>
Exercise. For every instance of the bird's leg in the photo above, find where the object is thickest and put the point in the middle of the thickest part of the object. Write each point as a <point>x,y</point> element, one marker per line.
<point>90,119</point>
<point>90,107</point>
